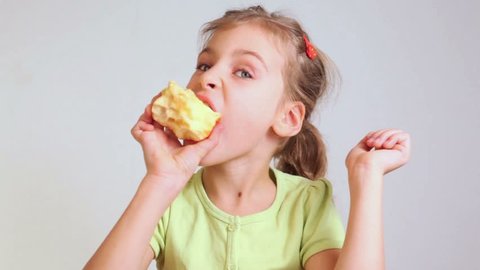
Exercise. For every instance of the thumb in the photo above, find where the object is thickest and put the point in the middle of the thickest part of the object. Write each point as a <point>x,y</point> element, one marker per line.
<point>192,154</point>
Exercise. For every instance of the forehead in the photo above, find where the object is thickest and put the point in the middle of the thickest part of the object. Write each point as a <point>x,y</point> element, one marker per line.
<point>248,37</point>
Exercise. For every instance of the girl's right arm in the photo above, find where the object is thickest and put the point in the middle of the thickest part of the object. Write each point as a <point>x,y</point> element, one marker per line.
<point>169,167</point>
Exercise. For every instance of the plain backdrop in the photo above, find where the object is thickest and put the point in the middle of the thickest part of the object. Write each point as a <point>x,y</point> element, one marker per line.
<point>76,75</point>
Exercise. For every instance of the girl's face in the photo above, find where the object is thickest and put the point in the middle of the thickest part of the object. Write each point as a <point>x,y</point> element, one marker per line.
<point>239,74</point>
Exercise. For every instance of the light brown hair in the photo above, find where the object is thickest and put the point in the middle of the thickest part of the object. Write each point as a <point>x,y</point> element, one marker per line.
<point>306,80</point>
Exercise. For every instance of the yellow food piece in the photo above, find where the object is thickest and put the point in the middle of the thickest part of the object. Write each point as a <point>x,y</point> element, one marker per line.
<point>181,111</point>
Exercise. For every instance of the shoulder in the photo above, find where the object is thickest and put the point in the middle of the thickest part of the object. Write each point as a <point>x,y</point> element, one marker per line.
<point>310,202</point>
<point>300,187</point>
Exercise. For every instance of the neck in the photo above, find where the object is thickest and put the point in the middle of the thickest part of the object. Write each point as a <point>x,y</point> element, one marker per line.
<point>240,188</point>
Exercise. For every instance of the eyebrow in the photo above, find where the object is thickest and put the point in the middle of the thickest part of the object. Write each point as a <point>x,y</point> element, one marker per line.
<point>209,50</point>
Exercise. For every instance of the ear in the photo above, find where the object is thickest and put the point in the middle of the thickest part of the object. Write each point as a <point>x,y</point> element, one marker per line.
<point>289,120</point>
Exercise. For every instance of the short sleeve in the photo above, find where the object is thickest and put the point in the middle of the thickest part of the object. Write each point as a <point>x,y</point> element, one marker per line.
<point>323,228</point>
<point>157,242</point>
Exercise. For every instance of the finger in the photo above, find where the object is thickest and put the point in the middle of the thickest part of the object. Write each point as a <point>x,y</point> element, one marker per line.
<point>193,153</point>
<point>361,147</point>
<point>145,126</point>
<point>377,133</point>
<point>369,135</point>
<point>146,122</point>
<point>139,128</point>
<point>384,136</point>
<point>379,138</point>
<point>167,136</point>
<point>148,111</point>
<point>147,115</point>
<point>403,141</point>
<point>136,132</point>
<point>403,146</point>
<point>390,142</point>
<point>173,142</point>
<point>372,136</point>
<point>170,134</point>
<point>156,97</point>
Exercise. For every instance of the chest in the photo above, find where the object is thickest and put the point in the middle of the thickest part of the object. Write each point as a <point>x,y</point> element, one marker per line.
<point>202,242</point>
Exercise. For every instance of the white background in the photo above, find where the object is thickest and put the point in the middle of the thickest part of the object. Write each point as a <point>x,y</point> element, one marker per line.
<point>75,76</point>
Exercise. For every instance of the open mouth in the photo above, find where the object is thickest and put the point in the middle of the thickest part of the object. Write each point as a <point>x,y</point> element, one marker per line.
<point>206,101</point>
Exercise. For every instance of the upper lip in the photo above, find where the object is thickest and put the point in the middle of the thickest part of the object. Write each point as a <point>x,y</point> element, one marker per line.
<point>205,99</point>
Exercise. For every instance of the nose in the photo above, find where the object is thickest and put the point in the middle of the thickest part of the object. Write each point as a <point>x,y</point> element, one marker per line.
<point>210,79</point>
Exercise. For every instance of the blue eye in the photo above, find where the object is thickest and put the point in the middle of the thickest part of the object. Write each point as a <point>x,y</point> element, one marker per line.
<point>243,74</point>
<point>203,67</point>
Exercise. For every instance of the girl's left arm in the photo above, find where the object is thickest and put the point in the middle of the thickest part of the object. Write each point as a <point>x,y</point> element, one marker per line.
<point>377,154</point>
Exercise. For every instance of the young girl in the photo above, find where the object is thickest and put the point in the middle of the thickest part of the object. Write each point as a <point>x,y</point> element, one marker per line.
<point>260,71</point>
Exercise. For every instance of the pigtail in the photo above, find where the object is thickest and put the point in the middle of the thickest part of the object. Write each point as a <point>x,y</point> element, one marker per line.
<point>313,76</point>
<point>304,154</point>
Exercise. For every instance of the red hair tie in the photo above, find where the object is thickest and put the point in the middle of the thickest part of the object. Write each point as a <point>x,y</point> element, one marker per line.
<point>309,49</point>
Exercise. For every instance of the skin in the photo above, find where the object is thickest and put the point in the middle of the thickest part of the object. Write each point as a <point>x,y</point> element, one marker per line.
<point>242,79</point>
<point>377,154</point>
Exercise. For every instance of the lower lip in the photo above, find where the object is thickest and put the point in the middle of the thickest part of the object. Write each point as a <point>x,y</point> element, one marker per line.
<point>209,105</point>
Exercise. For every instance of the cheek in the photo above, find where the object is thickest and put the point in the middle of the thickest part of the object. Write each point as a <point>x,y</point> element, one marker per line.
<point>252,112</point>
<point>192,83</point>
<point>241,138</point>
<point>248,122</point>
<point>244,127</point>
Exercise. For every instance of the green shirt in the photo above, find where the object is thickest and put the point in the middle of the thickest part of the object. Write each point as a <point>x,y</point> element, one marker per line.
<point>195,234</point>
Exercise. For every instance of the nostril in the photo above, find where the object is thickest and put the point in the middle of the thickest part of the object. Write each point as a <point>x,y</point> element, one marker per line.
<point>211,85</point>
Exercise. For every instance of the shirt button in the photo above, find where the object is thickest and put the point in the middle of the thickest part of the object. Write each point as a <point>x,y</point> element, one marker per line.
<point>231,227</point>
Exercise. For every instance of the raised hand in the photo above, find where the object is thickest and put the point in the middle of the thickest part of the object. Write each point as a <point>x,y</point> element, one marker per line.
<point>383,151</point>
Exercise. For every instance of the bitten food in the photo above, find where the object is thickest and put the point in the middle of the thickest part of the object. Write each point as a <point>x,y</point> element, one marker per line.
<point>181,111</point>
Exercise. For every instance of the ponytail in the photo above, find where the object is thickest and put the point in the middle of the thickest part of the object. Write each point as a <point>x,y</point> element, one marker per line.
<point>304,154</point>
